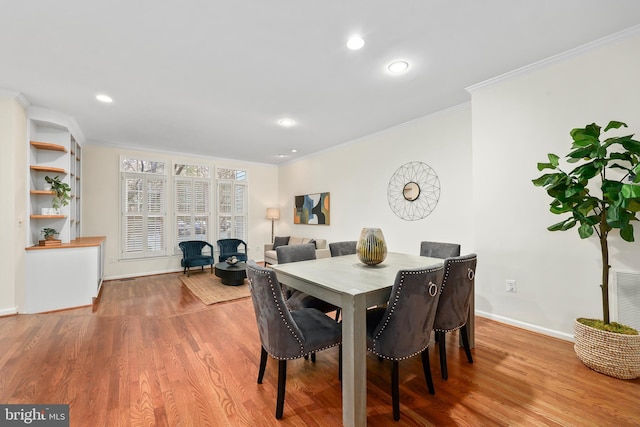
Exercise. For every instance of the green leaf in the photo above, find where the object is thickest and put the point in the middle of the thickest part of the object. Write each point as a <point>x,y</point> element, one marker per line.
<point>543,180</point>
<point>630,191</point>
<point>558,226</point>
<point>586,171</point>
<point>553,159</point>
<point>587,206</point>
<point>587,136</point>
<point>614,125</point>
<point>585,230</point>
<point>578,154</point>
<point>542,166</point>
<point>620,156</point>
<point>626,232</point>
<point>560,209</point>
<point>630,144</point>
<point>633,205</point>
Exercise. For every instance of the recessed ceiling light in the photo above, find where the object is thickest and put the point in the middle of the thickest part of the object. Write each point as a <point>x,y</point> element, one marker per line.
<point>104,98</point>
<point>294,150</point>
<point>355,42</point>
<point>282,156</point>
<point>398,67</point>
<point>286,122</point>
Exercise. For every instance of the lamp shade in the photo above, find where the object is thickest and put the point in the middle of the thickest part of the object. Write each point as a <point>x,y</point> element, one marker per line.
<point>273,213</point>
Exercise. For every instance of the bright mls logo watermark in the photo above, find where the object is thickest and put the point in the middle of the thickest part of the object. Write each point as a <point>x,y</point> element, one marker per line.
<point>34,415</point>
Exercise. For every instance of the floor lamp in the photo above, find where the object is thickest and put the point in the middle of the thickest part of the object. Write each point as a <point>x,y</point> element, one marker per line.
<point>273,214</point>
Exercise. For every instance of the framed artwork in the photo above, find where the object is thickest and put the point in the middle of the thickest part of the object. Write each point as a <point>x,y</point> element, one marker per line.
<point>311,209</point>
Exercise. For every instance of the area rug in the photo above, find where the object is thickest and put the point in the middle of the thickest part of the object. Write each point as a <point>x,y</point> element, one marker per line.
<point>210,290</point>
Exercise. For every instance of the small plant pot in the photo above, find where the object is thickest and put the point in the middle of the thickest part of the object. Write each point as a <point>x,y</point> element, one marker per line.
<point>615,355</point>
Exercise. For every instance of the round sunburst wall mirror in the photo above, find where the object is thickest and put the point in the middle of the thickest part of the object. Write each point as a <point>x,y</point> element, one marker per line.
<point>413,191</point>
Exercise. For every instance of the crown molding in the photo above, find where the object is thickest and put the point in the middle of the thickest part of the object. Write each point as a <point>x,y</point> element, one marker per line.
<point>19,97</point>
<point>561,57</point>
<point>60,119</point>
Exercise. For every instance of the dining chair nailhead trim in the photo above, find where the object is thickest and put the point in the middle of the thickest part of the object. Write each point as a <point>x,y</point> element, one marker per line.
<point>470,276</point>
<point>449,330</point>
<point>302,349</point>
<point>392,309</point>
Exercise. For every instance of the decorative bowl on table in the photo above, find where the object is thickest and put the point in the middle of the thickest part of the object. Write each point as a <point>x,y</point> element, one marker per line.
<point>232,261</point>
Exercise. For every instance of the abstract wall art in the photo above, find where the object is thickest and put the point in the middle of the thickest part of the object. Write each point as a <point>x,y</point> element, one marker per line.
<point>311,209</point>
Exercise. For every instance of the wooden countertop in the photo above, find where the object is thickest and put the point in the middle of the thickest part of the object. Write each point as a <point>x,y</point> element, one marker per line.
<point>81,242</point>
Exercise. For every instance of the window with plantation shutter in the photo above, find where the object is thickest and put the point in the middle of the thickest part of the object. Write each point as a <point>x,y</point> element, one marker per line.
<point>192,209</point>
<point>232,204</point>
<point>144,213</point>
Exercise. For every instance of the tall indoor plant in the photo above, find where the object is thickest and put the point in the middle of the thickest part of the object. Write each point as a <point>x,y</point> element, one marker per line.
<point>600,194</point>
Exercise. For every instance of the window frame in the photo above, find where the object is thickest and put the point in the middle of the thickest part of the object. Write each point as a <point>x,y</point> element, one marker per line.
<point>234,215</point>
<point>148,213</point>
<point>193,212</point>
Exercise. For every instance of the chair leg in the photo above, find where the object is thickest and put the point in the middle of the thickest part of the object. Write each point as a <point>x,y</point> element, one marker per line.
<point>313,357</point>
<point>395,391</point>
<point>337,318</point>
<point>340,362</point>
<point>443,355</point>
<point>263,365</point>
<point>188,271</point>
<point>426,367</point>
<point>464,333</point>
<point>211,268</point>
<point>282,380</point>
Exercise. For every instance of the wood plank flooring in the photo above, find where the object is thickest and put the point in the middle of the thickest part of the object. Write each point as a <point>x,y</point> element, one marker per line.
<point>151,354</point>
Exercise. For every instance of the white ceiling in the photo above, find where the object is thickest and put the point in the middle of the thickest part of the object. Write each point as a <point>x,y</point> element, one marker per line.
<point>213,77</point>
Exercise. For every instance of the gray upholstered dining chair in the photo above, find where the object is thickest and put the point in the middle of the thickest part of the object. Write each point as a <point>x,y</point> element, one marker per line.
<point>343,248</point>
<point>297,300</point>
<point>402,329</point>
<point>453,308</point>
<point>285,334</point>
<point>439,249</point>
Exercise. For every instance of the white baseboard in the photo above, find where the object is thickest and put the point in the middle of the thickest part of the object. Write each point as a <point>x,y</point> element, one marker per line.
<point>8,311</point>
<point>146,273</point>
<point>527,326</point>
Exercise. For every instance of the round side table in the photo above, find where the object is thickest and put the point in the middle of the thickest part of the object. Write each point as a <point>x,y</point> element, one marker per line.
<point>231,275</point>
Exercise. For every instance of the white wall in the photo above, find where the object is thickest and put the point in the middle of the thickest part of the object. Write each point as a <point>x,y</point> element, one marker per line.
<point>101,207</point>
<point>516,122</point>
<point>12,216</point>
<point>357,175</point>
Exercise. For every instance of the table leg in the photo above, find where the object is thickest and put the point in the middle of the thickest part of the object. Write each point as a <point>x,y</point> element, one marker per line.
<point>354,361</point>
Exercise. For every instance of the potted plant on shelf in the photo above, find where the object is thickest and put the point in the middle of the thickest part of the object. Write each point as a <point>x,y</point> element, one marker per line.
<point>61,191</point>
<point>600,194</point>
<point>49,233</point>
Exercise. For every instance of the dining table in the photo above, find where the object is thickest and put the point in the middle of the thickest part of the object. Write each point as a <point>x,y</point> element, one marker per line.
<point>346,282</point>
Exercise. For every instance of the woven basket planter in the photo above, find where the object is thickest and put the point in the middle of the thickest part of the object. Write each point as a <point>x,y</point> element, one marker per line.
<point>612,354</point>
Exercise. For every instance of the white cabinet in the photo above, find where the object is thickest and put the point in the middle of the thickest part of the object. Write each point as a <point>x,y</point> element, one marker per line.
<point>64,277</point>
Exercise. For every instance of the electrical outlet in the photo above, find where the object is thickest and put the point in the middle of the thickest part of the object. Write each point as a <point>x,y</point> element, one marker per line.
<point>511,286</point>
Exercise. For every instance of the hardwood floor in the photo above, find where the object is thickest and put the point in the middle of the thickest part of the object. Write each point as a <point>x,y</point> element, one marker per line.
<point>153,355</point>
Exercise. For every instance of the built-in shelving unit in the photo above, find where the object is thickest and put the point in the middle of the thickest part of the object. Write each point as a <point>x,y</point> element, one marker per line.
<point>50,147</point>
<point>69,274</point>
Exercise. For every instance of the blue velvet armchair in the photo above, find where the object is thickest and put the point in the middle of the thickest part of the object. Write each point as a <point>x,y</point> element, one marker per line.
<point>231,247</point>
<point>192,255</point>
